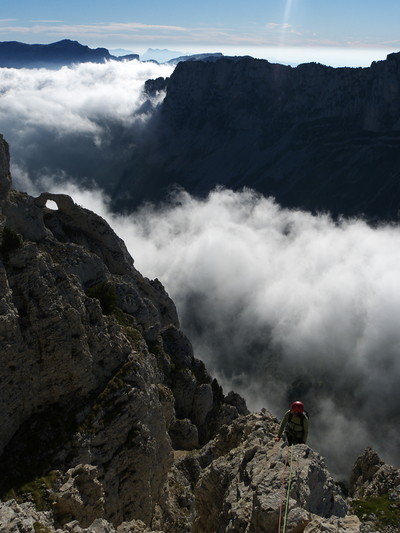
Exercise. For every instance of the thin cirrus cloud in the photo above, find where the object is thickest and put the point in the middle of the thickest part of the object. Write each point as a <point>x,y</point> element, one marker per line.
<point>47,21</point>
<point>97,34</point>
<point>105,29</point>
<point>137,32</point>
<point>246,39</point>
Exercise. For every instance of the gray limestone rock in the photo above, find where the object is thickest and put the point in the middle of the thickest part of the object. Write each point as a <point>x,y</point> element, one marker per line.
<point>24,518</point>
<point>184,435</point>
<point>203,402</point>
<point>178,347</point>
<point>372,477</point>
<point>24,217</point>
<point>348,524</point>
<point>242,485</point>
<point>99,385</point>
<point>21,518</point>
<point>74,223</point>
<point>81,496</point>
<point>184,387</point>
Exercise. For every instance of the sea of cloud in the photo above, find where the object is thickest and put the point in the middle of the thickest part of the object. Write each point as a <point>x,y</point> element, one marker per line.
<point>75,123</point>
<point>280,304</point>
<point>285,305</point>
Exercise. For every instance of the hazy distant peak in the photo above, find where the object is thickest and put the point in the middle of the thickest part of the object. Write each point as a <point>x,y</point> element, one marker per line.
<point>160,55</point>
<point>120,52</point>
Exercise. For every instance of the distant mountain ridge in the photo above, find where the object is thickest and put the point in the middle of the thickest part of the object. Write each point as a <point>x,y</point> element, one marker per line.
<point>314,137</point>
<point>196,57</point>
<point>174,57</point>
<point>14,54</point>
<point>160,55</point>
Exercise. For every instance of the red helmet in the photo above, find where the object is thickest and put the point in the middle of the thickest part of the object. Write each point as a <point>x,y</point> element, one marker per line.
<point>297,406</point>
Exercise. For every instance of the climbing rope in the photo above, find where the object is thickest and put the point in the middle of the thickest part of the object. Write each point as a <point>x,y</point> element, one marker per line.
<point>288,489</point>
<point>282,491</point>
<point>287,492</point>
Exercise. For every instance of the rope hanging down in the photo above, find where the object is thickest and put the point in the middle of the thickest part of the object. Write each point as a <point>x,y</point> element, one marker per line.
<point>282,491</point>
<point>287,492</point>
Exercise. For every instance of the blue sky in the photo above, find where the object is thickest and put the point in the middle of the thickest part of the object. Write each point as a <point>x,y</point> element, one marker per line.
<point>367,28</point>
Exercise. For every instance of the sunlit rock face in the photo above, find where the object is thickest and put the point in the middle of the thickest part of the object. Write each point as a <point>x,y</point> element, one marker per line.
<point>315,137</point>
<point>372,477</point>
<point>243,482</point>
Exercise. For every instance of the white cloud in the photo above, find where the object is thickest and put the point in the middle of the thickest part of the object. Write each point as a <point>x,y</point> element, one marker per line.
<point>276,302</point>
<point>73,99</point>
<point>61,122</point>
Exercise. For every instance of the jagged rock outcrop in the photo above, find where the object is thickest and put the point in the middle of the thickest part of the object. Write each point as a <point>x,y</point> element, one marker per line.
<point>109,423</point>
<point>372,477</point>
<point>234,483</point>
<point>25,518</point>
<point>314,137</point>
<point>242,485</point>
<point>93,364</point>
<point>375,491</point>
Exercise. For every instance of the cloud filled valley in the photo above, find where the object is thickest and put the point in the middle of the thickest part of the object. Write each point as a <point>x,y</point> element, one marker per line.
<point>77,124</point>
<point>283,305</point>
<point>280,304</point>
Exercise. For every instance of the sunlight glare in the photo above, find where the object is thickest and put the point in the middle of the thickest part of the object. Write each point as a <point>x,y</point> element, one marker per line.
<point>285,23</point>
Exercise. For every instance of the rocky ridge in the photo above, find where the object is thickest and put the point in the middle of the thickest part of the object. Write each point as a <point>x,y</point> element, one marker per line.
<point>14,54</point>
<point>110,423</point>
<point>313,137</point>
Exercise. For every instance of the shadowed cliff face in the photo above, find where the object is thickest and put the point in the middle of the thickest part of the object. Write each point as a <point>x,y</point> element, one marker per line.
<point>313,136</point>
<point>98,381</point>
<point>5,177</point>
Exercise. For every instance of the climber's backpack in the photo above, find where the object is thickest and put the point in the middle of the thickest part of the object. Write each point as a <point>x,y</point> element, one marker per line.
<point>291,426</point>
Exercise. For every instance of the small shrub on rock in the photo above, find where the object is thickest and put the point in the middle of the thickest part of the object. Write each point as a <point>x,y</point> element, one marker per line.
<point>105,293</point>
<point>10,242</point>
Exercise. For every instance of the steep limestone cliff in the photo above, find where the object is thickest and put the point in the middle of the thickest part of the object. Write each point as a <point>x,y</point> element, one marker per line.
<point>315,137</point>
<point>109,423</point>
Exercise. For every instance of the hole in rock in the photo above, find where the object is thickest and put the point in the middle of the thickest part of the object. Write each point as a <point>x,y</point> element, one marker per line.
<point>51,204</point>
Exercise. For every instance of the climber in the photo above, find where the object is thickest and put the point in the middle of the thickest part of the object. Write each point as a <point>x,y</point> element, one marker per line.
<point>296,423</point>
